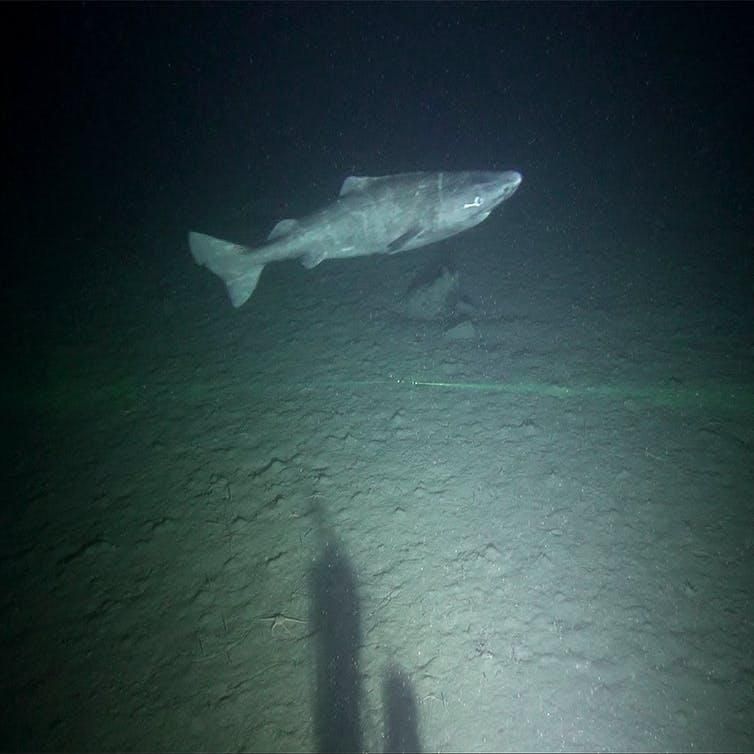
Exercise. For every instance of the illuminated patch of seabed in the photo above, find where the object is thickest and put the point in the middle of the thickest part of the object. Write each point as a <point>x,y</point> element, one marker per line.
<point>76,394</point>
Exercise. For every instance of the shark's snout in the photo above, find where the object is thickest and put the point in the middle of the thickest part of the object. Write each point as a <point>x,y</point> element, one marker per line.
<point>501,186</point>
<point>510,182</point>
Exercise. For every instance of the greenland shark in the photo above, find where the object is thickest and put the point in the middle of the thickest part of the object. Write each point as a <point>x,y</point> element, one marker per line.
<point>384,215</point>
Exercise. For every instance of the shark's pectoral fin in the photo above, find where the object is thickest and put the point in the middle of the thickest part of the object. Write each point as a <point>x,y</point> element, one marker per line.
<point>400,243</point>
<point>312,258</point>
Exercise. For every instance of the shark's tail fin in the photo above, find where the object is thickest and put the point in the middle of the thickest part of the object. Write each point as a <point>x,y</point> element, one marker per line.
<point>229,261</point>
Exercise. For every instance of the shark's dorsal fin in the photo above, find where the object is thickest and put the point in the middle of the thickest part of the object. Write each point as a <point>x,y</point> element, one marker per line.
<point>355,183</point>
<point>283,228</point>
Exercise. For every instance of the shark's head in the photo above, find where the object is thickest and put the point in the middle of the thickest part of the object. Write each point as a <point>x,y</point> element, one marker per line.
<point>468,198</point>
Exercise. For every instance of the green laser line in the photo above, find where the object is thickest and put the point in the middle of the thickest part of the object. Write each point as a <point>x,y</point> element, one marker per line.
<point>737,396</point>
<point>78,393</point>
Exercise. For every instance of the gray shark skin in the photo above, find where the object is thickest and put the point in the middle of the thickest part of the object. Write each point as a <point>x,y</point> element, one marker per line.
<point>384,215</point>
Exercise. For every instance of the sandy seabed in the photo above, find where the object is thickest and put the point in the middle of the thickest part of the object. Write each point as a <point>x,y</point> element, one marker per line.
<point>257,529</point>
